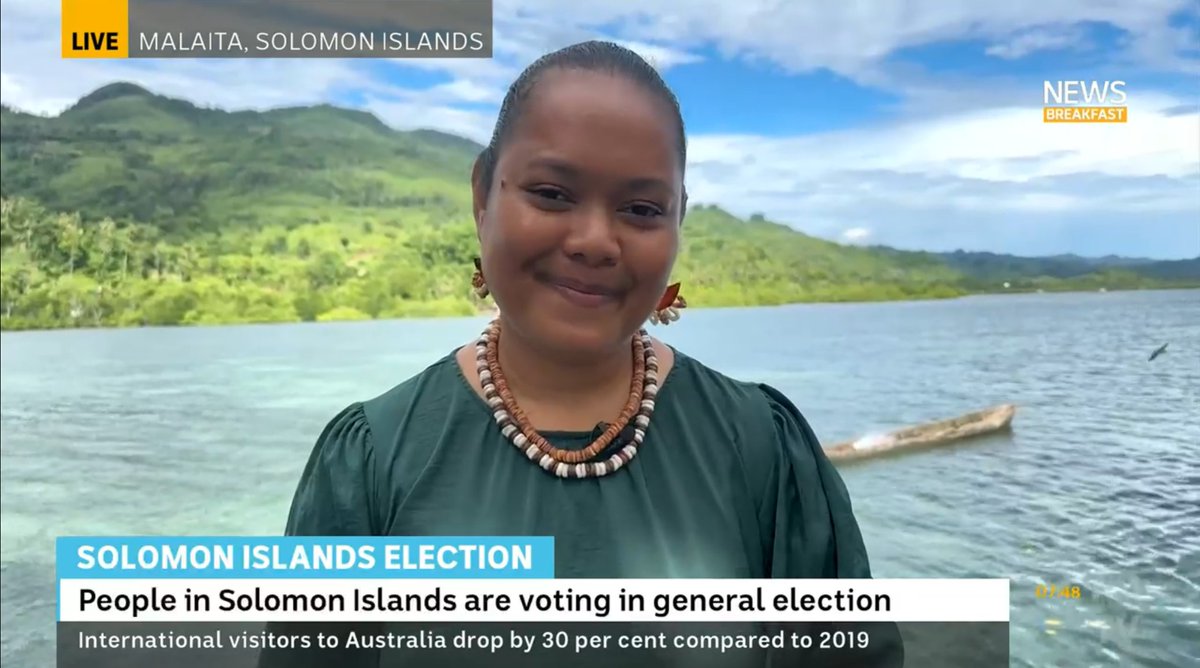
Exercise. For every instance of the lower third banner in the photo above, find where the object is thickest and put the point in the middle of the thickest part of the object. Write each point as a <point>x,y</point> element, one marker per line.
<point>504,645</point>
<point>461,602</point>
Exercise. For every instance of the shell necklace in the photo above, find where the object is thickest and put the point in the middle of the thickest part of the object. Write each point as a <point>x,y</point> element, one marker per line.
<point>517,429</point>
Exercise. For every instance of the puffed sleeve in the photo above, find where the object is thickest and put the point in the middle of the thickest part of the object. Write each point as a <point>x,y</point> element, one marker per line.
<point>333,498</point>
<point>811,532</point>
<point>336,492</point>
<point>810,520</point>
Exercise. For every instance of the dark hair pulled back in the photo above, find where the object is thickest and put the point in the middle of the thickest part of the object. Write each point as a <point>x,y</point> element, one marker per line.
<point>591,56</point>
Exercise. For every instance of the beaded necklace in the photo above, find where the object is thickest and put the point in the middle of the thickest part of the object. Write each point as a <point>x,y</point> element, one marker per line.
<point>515,426</point>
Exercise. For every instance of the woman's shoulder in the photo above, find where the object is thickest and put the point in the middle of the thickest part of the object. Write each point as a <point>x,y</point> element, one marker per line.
<point>769,434</point>
<point>753,403</point>
<point>758,419</point>
<point>425,393</point>
<point>804,501</point>
<point>415,397</point>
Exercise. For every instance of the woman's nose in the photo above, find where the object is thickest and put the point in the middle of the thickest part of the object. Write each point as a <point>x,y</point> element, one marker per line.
<point>592,238</point>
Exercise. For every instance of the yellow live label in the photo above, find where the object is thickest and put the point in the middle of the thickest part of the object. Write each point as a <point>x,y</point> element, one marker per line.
<point>95,28</point>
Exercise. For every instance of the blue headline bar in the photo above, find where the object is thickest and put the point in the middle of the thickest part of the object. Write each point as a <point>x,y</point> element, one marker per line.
<point>79,557</point>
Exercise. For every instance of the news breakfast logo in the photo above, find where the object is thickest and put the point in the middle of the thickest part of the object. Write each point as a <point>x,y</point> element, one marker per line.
<point>276,29</point>
<point>1092,101</point>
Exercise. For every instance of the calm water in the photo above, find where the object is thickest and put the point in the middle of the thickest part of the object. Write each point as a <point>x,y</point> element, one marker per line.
<point>204,431</point>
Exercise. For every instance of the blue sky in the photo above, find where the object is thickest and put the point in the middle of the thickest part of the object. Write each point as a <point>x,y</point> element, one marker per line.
<point>913,124</point>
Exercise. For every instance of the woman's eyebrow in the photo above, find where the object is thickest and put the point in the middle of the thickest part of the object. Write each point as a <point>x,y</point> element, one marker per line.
<point>570,171</point>
<point>556,165</point>
<point>649,183</point>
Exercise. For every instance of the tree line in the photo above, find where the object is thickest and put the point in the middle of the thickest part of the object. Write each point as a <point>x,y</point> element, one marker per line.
<point>63,269</point>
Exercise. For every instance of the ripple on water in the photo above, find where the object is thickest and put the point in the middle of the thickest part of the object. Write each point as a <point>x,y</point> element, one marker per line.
<point>1095,486</point>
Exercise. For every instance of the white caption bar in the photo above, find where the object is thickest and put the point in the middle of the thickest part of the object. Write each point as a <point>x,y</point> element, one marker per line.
<point>509,600</point>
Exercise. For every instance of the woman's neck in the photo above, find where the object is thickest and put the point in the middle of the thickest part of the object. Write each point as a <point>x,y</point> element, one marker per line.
<point>570,395</point>
<point>565,391</point>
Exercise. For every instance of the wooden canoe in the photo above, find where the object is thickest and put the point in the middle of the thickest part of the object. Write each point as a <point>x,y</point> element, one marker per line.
<point>928,435</point>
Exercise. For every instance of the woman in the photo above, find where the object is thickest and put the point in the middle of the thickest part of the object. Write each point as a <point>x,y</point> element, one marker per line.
<point>579,202</point>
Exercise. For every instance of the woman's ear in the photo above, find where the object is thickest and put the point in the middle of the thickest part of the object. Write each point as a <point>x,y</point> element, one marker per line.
<point>479,191</point>
<point>683,204</point>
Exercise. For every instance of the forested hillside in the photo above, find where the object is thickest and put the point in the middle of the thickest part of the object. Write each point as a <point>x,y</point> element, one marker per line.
<point>135,209</point>
<point>995,266</point>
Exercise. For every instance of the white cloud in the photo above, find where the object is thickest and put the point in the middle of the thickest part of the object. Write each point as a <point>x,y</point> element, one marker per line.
<point>661,57</point>
<point>413,115</point>
<point>1000,180</point>
<point>856,235</point>
<point>847,38</point>
<point>36,78</point>
<point>984,172</point>
<point>850,37</point>
<point>1037,39</point>
<point>464,90</point>
<point>1007,144</point>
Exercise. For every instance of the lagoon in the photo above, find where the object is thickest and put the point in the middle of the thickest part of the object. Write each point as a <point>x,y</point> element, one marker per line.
<point>204,431</point>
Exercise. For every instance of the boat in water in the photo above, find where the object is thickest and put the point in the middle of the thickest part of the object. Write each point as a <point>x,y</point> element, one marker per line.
<point>924,436</point>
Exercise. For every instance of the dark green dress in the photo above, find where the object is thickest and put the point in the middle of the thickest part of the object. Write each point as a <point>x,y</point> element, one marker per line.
<point>730,483</point>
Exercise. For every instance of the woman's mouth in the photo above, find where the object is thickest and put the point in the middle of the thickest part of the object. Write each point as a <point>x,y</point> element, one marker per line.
<point>579,293</point>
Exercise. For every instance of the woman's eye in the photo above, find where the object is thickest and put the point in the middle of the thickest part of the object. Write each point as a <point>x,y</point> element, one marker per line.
<point>549,193</point>
<point>645,210</point>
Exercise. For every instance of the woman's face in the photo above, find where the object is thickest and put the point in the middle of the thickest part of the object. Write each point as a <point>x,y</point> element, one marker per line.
<point>580,229</point>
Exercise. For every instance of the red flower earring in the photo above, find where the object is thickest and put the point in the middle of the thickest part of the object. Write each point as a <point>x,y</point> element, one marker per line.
<point>477,282</point>
<point>668,307</point>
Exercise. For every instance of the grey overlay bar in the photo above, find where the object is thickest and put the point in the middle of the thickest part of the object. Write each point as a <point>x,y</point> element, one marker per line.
<point>498,645</point>
<point>310,28</point>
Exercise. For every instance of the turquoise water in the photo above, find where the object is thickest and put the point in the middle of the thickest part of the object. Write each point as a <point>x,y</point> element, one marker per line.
<point>204,431</point>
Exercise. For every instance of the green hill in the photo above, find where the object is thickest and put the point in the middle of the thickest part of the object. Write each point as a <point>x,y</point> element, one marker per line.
<point>126,153</point>
<point>995,266</point>
<point>131,208</point>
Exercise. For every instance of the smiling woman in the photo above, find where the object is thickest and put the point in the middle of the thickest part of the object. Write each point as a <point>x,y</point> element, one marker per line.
<point>565,418</point>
